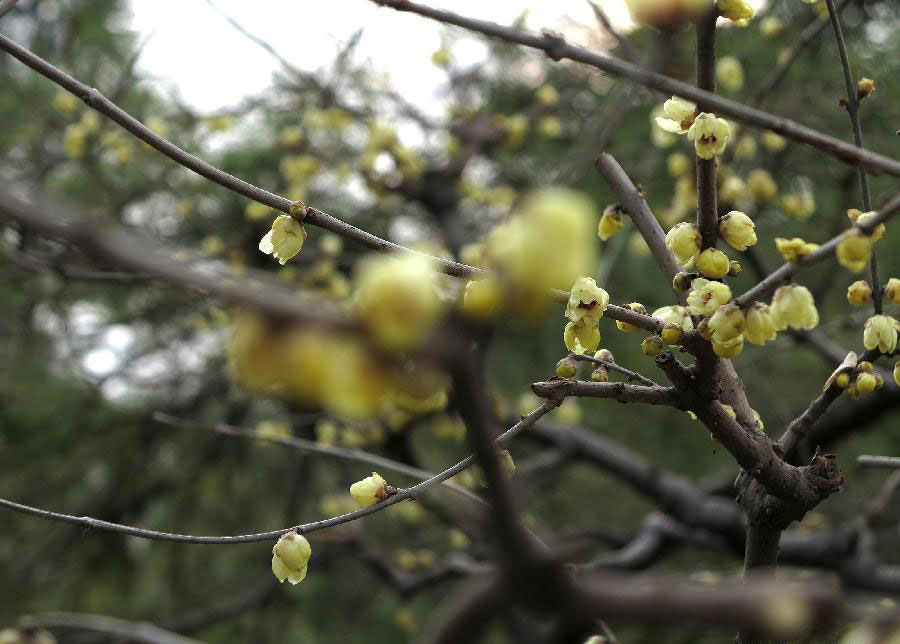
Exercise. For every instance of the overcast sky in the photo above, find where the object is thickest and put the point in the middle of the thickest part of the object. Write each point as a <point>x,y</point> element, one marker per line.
<point>192,47</point>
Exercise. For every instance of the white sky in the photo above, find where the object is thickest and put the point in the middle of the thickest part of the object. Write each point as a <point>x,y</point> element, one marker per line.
<point>212,65</point>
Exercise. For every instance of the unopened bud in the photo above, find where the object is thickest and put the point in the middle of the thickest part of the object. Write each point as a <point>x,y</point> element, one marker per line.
<point>734,268</point>
<point>567,367</point>
<point>681,282</point>
<point>604,354</point>
<point>369,491</point>
<point>865,87</point>
<point>652,345</point>
<point>600,374</point>
<point>671,334</point>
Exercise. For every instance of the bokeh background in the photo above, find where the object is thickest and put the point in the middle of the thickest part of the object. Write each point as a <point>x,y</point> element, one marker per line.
<point>427,136</point>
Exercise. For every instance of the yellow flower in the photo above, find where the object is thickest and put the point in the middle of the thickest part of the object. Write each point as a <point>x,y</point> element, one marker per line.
<point>676,315</point>
<point>713,263</point>
<point>550,126</point>
<point>587,302</point>
<point>738,230</point>
<point>727,323</point>
<point>761,185</point>
<point>441,57</point>
<point>760,326</point>
<point>652,345</point>
<point>671,334</point>
<point>667,14</point>
<point>679,116</point>
<point>709,134</point>
<point>728,348</point>
<point>637,307</point>
<point>706,296</point>
<point>865,383</point>
<point>897,374</point>
<point>611,222</point>
<point>863,218</point>
<point>678,164</point>
<point>880,331</point>
<point>860,292</point>
<point>854,250</point>
<point>729,71</point>
<point>284,240</point>
<point>892,290</point>
<point>793,306</point>
<point>738,11</point>
<point>396,299</point>
<point>864,87</point>
<point>684,242</point>
<point>547,95</point>
<point>290,557</point>
<point>482,299</point>
<point>369,491</point>
<point>770,26</point>
<point>793,250</point>
<point>773,142</point>
<point>581,338</point>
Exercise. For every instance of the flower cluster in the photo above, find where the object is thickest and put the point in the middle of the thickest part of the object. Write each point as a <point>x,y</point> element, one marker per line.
<point>585,307</point>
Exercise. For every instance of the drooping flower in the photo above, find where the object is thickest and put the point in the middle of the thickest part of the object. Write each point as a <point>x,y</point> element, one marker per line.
<point>290,557</point>
<point>760,326</point>
<point>860,292</point>
<point>370,490</point>
<point>580,337</point>
<point>738,230</point>
<point>793,306</point>
<point>679,116</point>
<point>684,241</point>
<point>611,222</point>
<point>709,134</point>
<point>738,11</point>
<point>854,250</point>
<point>587,301</point>
<point>880,331</point>
<point>728,348</point>
<point>864,87</point>
<point>712,262</point>
<point>706,296</point>
<point>892,290</point>
<point>727,323</point>
<point>284,240</point>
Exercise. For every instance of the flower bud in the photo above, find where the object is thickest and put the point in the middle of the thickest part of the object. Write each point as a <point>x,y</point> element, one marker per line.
<point>854,250</point>
<point>864,87</point>
<point>760,425</point>
<point>729,410</point>
<point>684,242</point>
<point>704,330</point>
<point>652,345</point>
<point>770,26</point>
<point>897,374</point>
<point>681,282</point>
<point>677,316</point>
<point>737,229</point>
<point>865,367</point>
<point>604,354</point>
<point>369,491</point>
<point>581,338</point>
<point>842,380</point>
<point>727,323</point>
<point>713,263</point>
<point>706,296</point>
<point>865,218</point>
<point>793,306</point>
<point>728,348</point>
<point>567,367</point>
<point>737,11</point>
<point>734,268</point>
<point>611,222</point>
<point>866,383</point>
<point>859,293</point>
<point>637,307</point>
<point>600,374</point>
<point>671,334</point>
<point>880,331</point>
<point>709,134</point>
<point>760,327</point>
<point>892,290</point>
<point>290,557</point>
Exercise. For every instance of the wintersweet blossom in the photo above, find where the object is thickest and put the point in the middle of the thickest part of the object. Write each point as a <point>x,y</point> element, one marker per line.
<point>370,490</point>
<point>284,240</point>
<point>290,557</point>
<point>737,11</point>
<point>683,239</point>
<point>738,230</point>
<point>860,292</point>
<point>587,301</point>
<point>760,325</point>
<point>880,332</point>
<point>793,306</point>
<point>706,296</point>
<point>679,115</point>
<point>712,262</point>
<point>709,134</point>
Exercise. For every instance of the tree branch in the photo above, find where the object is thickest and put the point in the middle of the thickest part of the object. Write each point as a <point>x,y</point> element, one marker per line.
<point>558,389</point>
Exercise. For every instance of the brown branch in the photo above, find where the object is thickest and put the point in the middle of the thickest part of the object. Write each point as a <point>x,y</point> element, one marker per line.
<point>707,210</point>
<point>890,462</point>
<point>118,629</point>
<point>612,366</point>
<point>786,271</point>
<point>401,495</point>
<point>556,48</point>
<point>558,389</point>
<point>634,204</point>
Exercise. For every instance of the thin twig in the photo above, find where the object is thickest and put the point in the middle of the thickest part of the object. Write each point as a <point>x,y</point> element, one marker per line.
<point>560,388</point>
<point>891,462</point>
<point>612,366</point>
<point>707,209</point>
<point>401,495</point>
<point>116,629</point>
<point>556,48</point>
